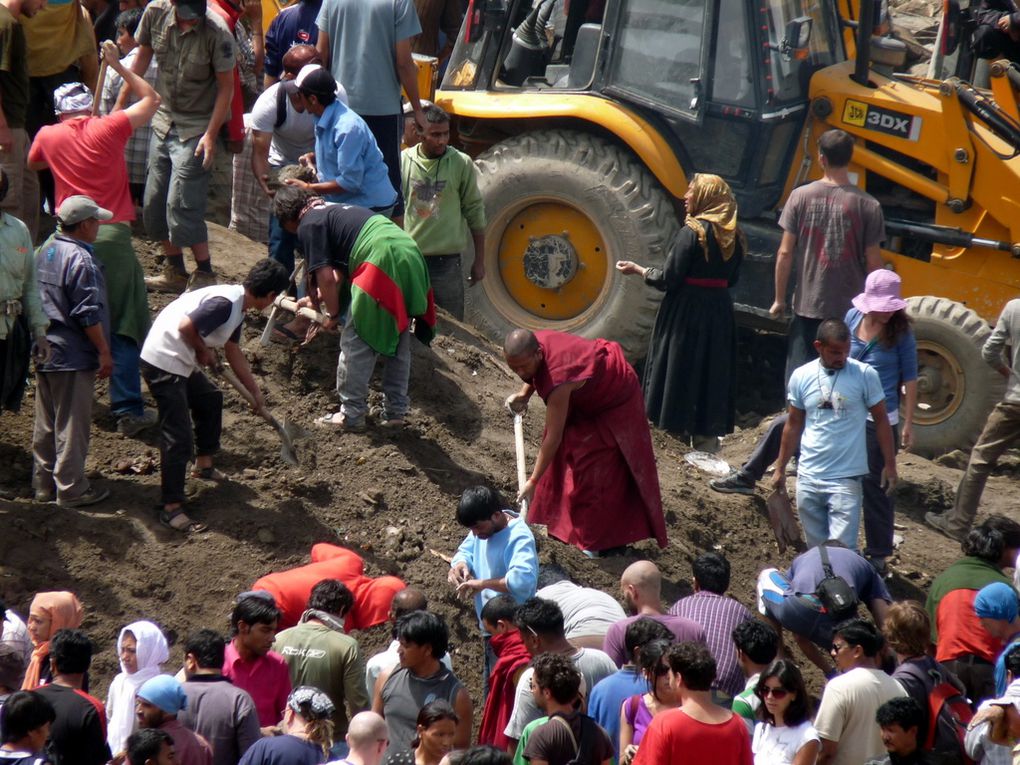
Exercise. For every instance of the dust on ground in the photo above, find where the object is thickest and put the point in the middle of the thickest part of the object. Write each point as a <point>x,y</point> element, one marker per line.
<point>389,497</point>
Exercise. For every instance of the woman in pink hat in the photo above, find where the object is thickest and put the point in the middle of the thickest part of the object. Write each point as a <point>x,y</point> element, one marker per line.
<point>881,336</point>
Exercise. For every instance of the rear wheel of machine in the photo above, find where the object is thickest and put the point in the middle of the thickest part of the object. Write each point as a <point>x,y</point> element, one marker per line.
<point>956,389</point>
<point>562,207</point>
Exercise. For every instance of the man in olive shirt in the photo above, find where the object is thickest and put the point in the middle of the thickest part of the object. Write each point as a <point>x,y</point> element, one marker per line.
<point>195,53</point>
<point>22,200</point>
<point>319,654</point>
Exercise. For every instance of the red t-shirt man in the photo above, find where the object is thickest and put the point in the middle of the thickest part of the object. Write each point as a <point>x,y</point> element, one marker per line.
<point>676,737</point>
<point>86,156</point>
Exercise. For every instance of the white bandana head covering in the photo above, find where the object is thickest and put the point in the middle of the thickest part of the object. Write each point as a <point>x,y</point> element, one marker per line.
<point>72,97</point>
<point>151,652</point>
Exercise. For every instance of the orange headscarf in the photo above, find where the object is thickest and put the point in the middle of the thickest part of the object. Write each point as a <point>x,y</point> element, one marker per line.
<point>65,613</point>
<point>712,200</point>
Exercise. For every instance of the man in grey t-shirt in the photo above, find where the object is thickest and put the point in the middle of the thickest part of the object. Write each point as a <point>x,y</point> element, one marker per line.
<point>366,44</point>
<point>832,232</point>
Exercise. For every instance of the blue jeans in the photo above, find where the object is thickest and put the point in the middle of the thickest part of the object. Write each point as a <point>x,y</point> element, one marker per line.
<point>829,509</point>
<point>126,381</point>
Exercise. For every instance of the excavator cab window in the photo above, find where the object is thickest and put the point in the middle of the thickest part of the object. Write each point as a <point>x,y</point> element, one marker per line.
<point>792,61</point>
<point>659,57</point>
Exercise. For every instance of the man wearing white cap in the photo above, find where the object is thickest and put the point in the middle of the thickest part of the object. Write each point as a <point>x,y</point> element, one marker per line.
<point>73,290</point>
<point>86,156</point>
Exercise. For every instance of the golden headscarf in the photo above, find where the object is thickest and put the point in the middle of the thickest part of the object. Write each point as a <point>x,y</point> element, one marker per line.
<point>712,200</point>
<point>65,612</point>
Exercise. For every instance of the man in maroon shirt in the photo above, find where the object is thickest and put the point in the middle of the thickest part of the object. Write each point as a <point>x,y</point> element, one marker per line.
<point>157,703</point>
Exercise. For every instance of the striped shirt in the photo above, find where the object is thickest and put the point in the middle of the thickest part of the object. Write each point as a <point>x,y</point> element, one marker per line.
<point>718,614</point>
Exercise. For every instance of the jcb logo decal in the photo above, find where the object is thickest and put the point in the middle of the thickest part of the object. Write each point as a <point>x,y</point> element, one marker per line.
<point>860,114</point>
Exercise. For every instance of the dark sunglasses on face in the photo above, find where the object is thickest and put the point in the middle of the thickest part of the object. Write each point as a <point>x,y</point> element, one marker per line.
<point>777,693</point>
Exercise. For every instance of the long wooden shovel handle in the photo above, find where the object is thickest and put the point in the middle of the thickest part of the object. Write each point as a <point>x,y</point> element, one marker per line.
<point>522,472</point>
<point>100,82</point>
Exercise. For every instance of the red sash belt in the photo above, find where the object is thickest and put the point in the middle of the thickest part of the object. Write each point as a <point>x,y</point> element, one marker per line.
<point>717,283</point>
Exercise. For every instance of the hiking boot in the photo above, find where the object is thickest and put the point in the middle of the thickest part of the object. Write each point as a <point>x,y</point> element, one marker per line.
<point>200,279</point>
<point>132,424</point>
<point>735,483</point>
<point>90,497</point>
<point>940,522</point>
<point>169,280</point>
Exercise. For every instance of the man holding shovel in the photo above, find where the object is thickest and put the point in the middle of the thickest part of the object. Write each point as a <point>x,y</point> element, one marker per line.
<point>594,482</point>
<point>180,342</point>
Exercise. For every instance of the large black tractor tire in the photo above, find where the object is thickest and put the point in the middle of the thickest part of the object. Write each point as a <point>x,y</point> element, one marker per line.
<point>956,388</point>
<point>554,192</point>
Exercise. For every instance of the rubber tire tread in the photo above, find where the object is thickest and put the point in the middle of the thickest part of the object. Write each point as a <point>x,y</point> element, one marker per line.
<point>566,163</point>
<point>962,332</point>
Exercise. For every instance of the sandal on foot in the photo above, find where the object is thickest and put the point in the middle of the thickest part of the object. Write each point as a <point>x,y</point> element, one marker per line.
<point>190,527</point>
<point>340,421</point>
<point>208,474</point>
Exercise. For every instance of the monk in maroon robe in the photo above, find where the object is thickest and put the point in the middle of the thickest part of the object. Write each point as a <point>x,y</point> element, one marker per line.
<point>594,483</point>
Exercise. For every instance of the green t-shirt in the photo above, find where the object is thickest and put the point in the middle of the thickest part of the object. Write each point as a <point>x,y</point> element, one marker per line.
<point>442,200</point>
<point>745,703</point>
<point>329,660</point>
<point>525,735</point>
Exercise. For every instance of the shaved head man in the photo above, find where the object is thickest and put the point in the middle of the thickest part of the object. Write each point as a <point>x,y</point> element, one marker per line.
<point>641,592</point>
<point>367,737</point>
<point>641,584</point>
<point>578,487</point>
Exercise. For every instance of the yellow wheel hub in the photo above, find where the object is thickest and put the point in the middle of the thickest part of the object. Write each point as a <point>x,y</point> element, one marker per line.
<point>940,384</point>
<point>552,261</point>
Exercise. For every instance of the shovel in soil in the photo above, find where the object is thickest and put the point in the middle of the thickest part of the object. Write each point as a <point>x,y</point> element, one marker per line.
<point>288,432</point>
<point>783,521</point>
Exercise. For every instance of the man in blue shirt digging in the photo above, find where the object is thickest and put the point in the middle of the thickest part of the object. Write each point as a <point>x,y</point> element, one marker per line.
<point>498,555</point>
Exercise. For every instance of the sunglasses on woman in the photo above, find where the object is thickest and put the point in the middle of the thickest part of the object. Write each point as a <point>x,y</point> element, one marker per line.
<point>777,693</point>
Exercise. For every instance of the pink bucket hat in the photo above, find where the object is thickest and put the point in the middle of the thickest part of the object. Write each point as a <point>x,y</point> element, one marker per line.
<point>881,293</point>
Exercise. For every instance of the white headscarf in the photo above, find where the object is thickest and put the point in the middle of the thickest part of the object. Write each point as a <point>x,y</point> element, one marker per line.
<point>151,651</point>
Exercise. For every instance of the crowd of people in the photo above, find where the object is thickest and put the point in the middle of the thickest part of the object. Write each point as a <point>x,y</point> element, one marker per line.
<point>915,684</point>
<point>369,238</point>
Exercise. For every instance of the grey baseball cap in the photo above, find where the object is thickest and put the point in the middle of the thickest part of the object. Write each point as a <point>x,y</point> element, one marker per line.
<point>78,208</point>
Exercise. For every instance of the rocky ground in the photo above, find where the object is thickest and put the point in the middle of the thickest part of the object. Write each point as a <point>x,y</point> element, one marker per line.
<point>390,497</point>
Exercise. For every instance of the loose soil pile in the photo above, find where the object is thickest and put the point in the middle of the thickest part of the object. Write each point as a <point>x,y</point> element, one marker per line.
<point>389,497</point>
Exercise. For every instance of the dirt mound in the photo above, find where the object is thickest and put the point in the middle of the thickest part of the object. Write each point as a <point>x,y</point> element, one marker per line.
<point>390,497</point>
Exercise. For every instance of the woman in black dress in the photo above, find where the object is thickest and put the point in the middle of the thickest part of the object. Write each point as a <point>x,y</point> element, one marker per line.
<point>689,379</point>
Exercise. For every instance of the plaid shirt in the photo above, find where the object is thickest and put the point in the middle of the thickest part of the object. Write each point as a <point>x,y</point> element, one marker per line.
<point>718,614</point>
<point>136,153</point>
<point>249,206</point>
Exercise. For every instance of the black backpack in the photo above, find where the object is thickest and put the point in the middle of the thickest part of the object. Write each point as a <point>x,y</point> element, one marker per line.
<point>834,592</point>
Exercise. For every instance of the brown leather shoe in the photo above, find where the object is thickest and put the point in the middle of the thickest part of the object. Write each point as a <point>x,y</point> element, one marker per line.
<point>169,280</point>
